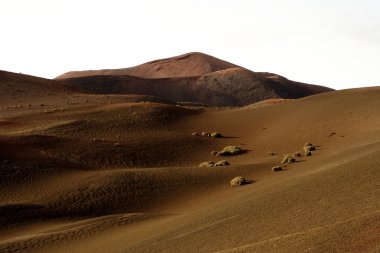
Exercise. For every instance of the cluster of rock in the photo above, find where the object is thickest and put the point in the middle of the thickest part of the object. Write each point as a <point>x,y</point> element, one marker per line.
<point>228,151</point>
<point>207,134</point>
<point>238,181</point>
<point>212,164</point>
<point>308,147</point>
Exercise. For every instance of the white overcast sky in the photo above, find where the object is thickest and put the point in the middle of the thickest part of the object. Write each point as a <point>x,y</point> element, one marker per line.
<point>329,42</point>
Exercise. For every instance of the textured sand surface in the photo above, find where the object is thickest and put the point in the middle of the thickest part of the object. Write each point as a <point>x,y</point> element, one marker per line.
<point>66,187</point>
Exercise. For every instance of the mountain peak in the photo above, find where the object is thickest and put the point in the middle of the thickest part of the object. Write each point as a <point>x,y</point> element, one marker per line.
<point>185,65</point>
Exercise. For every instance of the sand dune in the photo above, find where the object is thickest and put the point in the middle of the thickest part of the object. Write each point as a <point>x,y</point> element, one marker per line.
<point>119,173</point>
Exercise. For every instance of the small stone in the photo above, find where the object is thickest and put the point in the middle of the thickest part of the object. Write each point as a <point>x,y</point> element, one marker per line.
<point>238,181</point>
<point>216,135</point>
<point>206,164</point>
<point>308,147</point>
<point>277,168</point>
<point>288,159</point>
<point>221,163</point>
<point>296,154</point>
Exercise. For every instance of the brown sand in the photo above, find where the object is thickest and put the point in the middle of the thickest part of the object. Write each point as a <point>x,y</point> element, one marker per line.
<point>66,187</point>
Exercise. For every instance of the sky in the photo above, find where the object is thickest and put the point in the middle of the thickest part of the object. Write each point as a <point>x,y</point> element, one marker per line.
<point>335,43</point>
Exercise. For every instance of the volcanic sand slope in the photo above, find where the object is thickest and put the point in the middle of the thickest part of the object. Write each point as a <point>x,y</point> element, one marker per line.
<point>187,65</point>
<point>192,77</point>
<point>66,186</point>
<point>244,87</point>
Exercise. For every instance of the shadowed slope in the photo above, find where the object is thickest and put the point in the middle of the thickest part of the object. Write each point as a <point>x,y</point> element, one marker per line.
<point>247,87</point>
<point>231,87</point>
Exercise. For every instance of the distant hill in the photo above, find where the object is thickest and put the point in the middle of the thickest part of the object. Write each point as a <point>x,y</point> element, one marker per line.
<point>193,77</point>
<point>191,64</point>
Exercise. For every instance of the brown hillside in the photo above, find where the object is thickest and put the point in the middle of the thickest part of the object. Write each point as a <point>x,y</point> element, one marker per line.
<point>187,65</point>
<point>230,87</point>
<point>247,87</point>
